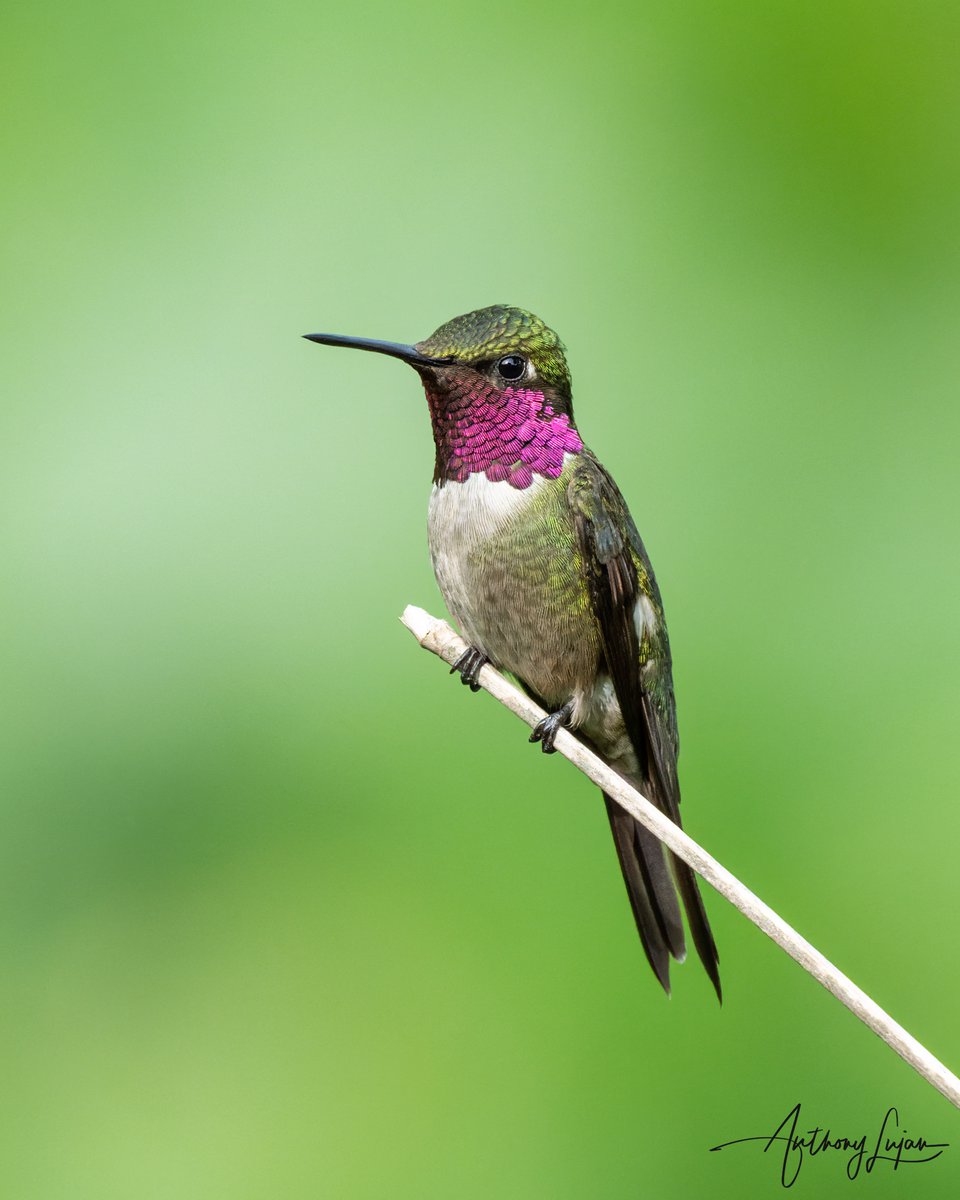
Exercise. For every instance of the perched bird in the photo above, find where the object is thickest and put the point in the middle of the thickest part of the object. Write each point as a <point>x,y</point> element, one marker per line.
<point>540,563</point>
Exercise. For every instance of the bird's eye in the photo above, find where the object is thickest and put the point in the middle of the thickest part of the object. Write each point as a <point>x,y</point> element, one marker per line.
<point>512,367</point>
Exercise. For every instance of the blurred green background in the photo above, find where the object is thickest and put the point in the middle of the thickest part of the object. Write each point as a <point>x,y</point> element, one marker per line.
<point>285,911</point>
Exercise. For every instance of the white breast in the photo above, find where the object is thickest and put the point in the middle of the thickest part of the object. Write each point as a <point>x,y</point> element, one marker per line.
<point>462,519</point>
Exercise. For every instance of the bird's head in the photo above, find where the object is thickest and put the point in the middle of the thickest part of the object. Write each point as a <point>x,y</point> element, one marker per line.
<point>493,377</point>
<point>496,348</point>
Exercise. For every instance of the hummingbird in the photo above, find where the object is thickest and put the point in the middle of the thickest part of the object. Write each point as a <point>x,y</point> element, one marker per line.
<point>542,567</point>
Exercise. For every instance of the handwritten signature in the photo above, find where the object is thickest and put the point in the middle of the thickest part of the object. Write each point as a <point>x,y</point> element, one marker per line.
<point>891,1145</point>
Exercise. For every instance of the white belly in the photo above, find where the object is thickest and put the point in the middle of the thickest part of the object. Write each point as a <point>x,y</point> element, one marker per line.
<point>496,588</point>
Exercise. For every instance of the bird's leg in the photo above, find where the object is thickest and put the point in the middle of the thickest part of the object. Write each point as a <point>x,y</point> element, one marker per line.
<point>469,664</point>
<point>546,731</point>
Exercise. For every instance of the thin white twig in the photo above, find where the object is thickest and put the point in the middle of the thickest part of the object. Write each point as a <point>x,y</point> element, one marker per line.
<point>437,636</point>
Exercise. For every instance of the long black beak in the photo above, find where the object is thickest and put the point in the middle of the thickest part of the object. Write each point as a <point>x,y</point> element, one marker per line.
<point>409,354</point>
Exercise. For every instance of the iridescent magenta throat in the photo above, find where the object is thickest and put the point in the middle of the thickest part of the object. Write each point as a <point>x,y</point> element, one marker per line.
<point>510,436</point>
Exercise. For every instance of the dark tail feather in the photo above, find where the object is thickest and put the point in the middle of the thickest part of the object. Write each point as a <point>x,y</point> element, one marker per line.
<point>651,889</point>
<point>653,897</point>
<point>697,920</point>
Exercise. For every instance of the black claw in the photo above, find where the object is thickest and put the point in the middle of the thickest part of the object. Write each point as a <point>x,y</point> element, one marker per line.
<point>545,731</point>
<point>469,664</point>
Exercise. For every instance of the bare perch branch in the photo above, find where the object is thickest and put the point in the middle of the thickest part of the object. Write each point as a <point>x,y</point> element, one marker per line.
<point>437,636</point>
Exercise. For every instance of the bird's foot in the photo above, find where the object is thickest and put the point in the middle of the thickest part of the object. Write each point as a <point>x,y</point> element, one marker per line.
<point>469,664</point>
<point>545,731</point>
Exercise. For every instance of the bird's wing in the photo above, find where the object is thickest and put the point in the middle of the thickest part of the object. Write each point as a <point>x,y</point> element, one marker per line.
<point>620,579</point>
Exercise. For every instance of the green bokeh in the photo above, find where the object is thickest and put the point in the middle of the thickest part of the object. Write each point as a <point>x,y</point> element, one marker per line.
<point>287,913</point>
